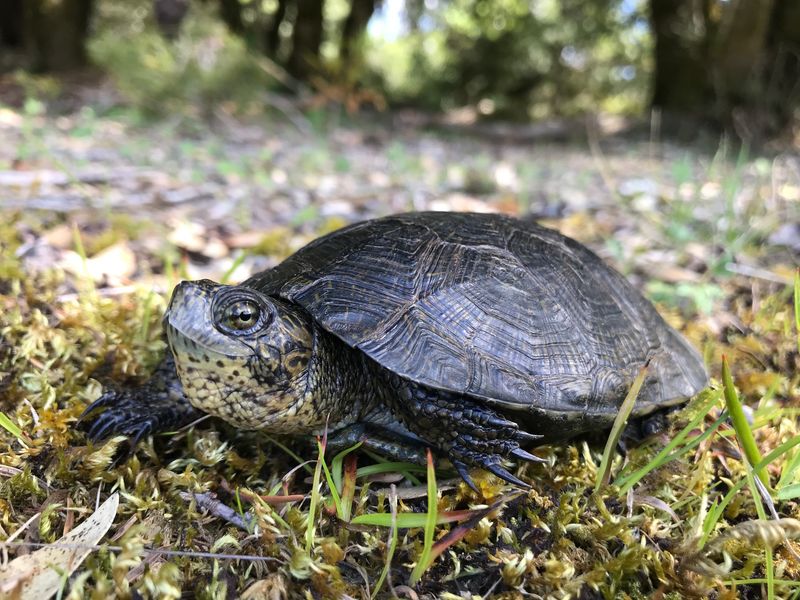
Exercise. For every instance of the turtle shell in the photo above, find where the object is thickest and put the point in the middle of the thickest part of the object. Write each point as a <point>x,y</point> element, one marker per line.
<point>491,307</point>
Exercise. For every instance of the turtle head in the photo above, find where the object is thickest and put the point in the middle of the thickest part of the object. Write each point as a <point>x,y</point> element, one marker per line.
<point>242,356</point>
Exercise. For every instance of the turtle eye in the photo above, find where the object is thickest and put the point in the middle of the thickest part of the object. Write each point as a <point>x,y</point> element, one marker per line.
<point>241,316</point>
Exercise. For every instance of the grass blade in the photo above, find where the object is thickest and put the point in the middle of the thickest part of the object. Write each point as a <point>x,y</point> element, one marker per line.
<point>797,306</point>
<point>226,277</point>
<point>12,428</point>
<point>625,482</point>
<point>769,567</point>
<point>288,451</point>
<point>388,467</point>
<point>789,492</point>
<point>337,501</point>
<point>604,472</point>
<point>425,558</point>
<point>349,486</point>
<point>740,424</point>
<point>412,520</point>
<point>392,541</point>
<point>147,310</point>
<point>315,499</point>
<point>336,464</point>
<point>457,533</point>
<point>737,487</point>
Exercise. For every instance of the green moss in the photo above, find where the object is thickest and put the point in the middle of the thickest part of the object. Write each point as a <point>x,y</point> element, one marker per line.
<point>59,349</point>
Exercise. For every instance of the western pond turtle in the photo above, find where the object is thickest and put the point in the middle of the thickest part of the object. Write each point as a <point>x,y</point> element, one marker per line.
<point>471,334</point>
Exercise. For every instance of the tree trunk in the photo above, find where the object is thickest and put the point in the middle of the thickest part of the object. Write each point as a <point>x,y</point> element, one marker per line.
<point>739,53</point>
<point>354,26</point>
<point>231,13</point>
<point>681,74</point>
<point>11,23</point>
<point>272,38</point>
<point>55,33</point>
<point>783,62</point>
<point>735,63</point>
<point>306,39</point>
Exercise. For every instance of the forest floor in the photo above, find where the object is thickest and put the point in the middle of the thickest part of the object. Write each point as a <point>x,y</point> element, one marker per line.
<point>103,213</point>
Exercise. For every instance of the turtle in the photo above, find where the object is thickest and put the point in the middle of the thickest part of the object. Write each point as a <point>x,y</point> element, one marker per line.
<point>473,335</point>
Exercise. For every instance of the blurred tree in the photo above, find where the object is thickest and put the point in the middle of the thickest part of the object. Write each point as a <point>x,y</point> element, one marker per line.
<point>355,25</point>
<point>783,56</point>
<point>11,23</point>
<point>11,34</point>
<point>51,34</point>
<point>734,62</point>
<point>305,19</point>
<point>272,33</point>
<point>680,55</point>
<point>306,38</point>
<point>169,15</point>
<point>519,59</point>
<point>231,13</point>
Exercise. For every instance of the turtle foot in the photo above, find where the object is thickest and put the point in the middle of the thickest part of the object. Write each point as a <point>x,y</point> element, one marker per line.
<point>157,405</point>
<point>467,432</point>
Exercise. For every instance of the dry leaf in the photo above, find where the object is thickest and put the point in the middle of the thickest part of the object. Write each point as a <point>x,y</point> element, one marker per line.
<point>39,575</point>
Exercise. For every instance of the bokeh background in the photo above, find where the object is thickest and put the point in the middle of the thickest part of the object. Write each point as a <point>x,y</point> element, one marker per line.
<point>731,64</point>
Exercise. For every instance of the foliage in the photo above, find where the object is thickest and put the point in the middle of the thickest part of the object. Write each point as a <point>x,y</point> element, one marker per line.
<point>728,64</point>
<point>505,59</point>
<point>520,59</point>
<point>205,67</point>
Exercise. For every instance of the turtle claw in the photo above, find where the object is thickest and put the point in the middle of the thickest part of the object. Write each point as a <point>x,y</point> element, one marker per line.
<point>102,402</point>
<point>498,470</point>
<point>525,437</point>
<point>99,429</point>
<point>463,472</point>
<point>523,455</point>
<point>499,422</point>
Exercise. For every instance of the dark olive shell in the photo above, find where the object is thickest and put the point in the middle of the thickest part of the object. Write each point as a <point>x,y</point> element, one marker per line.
<point>491,307</point>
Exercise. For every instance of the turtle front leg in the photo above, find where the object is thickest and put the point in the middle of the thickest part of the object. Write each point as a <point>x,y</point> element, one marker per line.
<point>468,433</point>
<point>157,405</point>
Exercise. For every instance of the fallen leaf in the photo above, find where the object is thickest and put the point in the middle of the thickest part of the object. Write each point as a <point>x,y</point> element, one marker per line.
<point>39,575</point>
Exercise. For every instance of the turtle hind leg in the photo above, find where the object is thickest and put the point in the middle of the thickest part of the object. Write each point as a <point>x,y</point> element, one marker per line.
<point>391,442</point>
<point>467,432</point>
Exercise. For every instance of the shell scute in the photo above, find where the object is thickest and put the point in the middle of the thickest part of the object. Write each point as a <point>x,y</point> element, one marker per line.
<point>490,307</point>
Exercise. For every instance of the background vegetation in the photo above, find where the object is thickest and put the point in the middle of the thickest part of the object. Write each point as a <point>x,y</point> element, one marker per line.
<point>727,63</point>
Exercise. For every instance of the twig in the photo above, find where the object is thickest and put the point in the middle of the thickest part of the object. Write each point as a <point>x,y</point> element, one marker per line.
<point>599,158</point>
<point>105,292</point>
<point>208,502</point>
<point>10,540</point>
<point>165,552</point>
<point>756,273</point>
